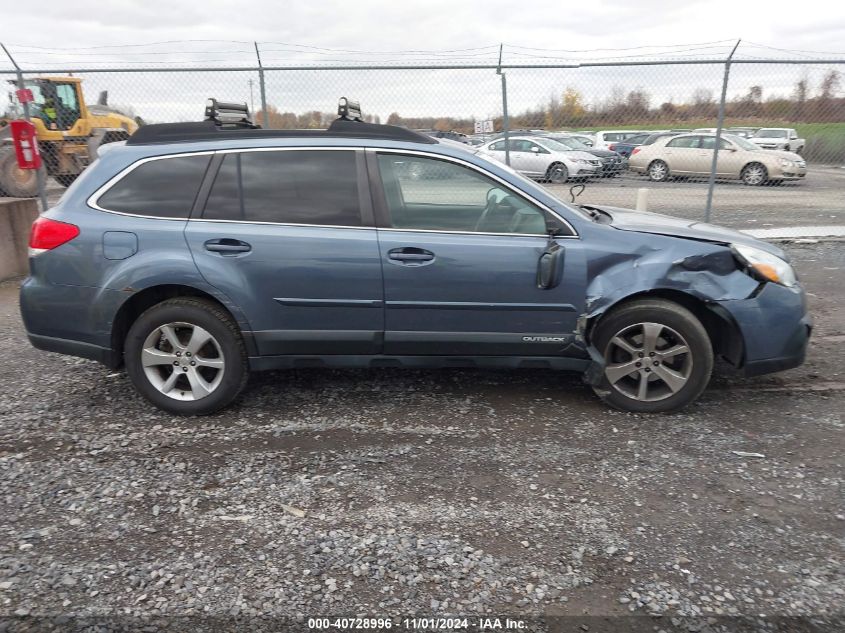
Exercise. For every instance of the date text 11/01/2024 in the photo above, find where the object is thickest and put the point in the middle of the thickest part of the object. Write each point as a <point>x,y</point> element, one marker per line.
<point>427,624</point>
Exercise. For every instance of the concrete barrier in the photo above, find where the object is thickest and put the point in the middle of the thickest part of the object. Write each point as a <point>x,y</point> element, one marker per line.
<point>16,217</point>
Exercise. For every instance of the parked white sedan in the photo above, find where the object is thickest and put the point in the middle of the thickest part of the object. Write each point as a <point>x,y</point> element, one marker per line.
<point>544,159</point>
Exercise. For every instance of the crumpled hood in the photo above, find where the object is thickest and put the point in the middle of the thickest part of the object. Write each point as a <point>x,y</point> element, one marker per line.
<point>630,220</point>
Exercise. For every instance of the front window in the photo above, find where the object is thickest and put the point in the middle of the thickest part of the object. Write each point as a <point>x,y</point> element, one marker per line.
<point>709,142</point>
<point>744,144</point>
<point>436,195</point>
<point>66,93</point>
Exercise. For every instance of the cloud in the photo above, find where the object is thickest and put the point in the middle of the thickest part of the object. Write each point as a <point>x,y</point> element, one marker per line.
<point>91,34</point>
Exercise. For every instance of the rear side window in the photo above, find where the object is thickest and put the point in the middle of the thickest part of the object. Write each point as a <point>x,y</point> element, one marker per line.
<point>287,187</point>
<point>684,141</point>
<point>163,188</point>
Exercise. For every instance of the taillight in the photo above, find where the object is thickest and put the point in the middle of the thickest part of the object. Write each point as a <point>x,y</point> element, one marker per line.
<point>47,234</point>
<point>635,150</point>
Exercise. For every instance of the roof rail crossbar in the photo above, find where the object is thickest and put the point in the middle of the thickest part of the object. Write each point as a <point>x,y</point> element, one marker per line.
<point>228,114</point>
<point>228,121</point>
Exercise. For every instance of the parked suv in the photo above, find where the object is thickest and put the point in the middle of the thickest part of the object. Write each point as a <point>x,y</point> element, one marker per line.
<point>197,252</point>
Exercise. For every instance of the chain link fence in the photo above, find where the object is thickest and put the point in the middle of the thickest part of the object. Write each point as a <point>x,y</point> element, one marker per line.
<point>640,122</point>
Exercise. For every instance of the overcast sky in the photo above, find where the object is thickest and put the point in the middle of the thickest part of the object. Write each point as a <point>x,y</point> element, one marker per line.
<point>61,35</point>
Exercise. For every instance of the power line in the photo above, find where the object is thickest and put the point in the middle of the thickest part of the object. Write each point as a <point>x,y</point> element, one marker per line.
<point>630,48</point>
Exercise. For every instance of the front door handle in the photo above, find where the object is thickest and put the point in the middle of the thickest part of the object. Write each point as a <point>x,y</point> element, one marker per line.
<point>227,246</point>
<point>410,256</point>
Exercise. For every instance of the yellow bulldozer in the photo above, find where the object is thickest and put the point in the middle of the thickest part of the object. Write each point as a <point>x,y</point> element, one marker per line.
<point>69,133</point>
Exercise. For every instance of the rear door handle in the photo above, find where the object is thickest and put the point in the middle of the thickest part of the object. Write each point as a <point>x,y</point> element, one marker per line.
<point>410,256</point>
<point>227,246</point>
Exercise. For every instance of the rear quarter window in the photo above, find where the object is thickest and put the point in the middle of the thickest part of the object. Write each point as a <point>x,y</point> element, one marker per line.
<point>163,188</point>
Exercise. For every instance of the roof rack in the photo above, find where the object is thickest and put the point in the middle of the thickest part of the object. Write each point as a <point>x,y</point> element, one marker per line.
<point>349,110</point>
<point>228,114</point>
<point>226,121</point>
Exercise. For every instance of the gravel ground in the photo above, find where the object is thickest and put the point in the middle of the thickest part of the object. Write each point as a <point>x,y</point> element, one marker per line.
<point>388,494</point>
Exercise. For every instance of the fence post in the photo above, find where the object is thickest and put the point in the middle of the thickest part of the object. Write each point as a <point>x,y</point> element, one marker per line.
<point>711,181</point>
<point>42,181</point>
<point>261,85</point>
<point>505,121</point>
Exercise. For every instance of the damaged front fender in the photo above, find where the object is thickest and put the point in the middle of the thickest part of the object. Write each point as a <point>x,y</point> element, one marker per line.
<point>702,273</point>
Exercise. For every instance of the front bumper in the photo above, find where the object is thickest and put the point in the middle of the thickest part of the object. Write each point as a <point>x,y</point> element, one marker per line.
<point>611,167</point>
<point>775,328</point>
<point>794,171</point>
<point>585,171</point>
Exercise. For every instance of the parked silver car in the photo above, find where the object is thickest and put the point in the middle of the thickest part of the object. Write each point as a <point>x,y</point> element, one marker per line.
<point>544,159</point>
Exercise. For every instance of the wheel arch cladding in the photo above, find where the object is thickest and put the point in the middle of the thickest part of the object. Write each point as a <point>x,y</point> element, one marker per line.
<point>142,300</point>
<point>667,270</point>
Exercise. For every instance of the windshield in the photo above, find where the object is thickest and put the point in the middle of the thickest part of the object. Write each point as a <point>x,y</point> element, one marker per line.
<point>557,146</point>
<point>743,143</point>
<point>570,143</point>
<point>771,133</point>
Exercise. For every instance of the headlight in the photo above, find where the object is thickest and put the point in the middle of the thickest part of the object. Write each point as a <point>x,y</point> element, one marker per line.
<point>764,265</point>
<point>582,161</point>
<point>785,163</point>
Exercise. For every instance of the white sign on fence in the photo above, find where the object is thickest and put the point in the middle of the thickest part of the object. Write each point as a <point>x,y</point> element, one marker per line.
<point>484,127</point>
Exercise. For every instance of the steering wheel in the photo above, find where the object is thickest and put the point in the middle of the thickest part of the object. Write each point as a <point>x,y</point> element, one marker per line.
<point>496,199</point>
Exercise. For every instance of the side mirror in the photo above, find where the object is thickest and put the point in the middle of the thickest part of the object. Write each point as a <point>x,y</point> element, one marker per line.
<point>550,266</point>
<point>553,227</point>
<point>535,149</point>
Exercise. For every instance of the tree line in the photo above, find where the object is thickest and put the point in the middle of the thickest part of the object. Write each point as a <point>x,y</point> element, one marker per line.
<point>806,104</point>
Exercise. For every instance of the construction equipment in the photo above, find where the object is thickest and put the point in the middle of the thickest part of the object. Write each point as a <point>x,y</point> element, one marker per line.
<point>69,133</point>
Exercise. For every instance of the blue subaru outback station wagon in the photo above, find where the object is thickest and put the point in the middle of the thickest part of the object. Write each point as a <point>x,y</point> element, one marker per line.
<point>198,252</point>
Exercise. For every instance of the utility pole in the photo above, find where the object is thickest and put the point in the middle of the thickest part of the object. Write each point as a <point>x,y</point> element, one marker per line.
<point>262,87</point>
<point>40,176</point>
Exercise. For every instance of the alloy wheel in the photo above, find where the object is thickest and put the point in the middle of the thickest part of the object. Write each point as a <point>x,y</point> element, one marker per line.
<point>754,174</point>
<point>648,362</point>
<point>183,361</point>
<point>657,171</point>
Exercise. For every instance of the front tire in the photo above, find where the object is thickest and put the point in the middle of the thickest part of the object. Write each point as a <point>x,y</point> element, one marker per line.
<point>557,173</point>
<point>754,174</point>
<point>186,356</point>
<point>657,356</point>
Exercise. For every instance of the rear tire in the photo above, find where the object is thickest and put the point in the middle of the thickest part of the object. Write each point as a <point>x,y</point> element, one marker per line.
<point>658,171</point>
<point>17,183</point>
<point>186,356</point>
<point>658,356</point>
